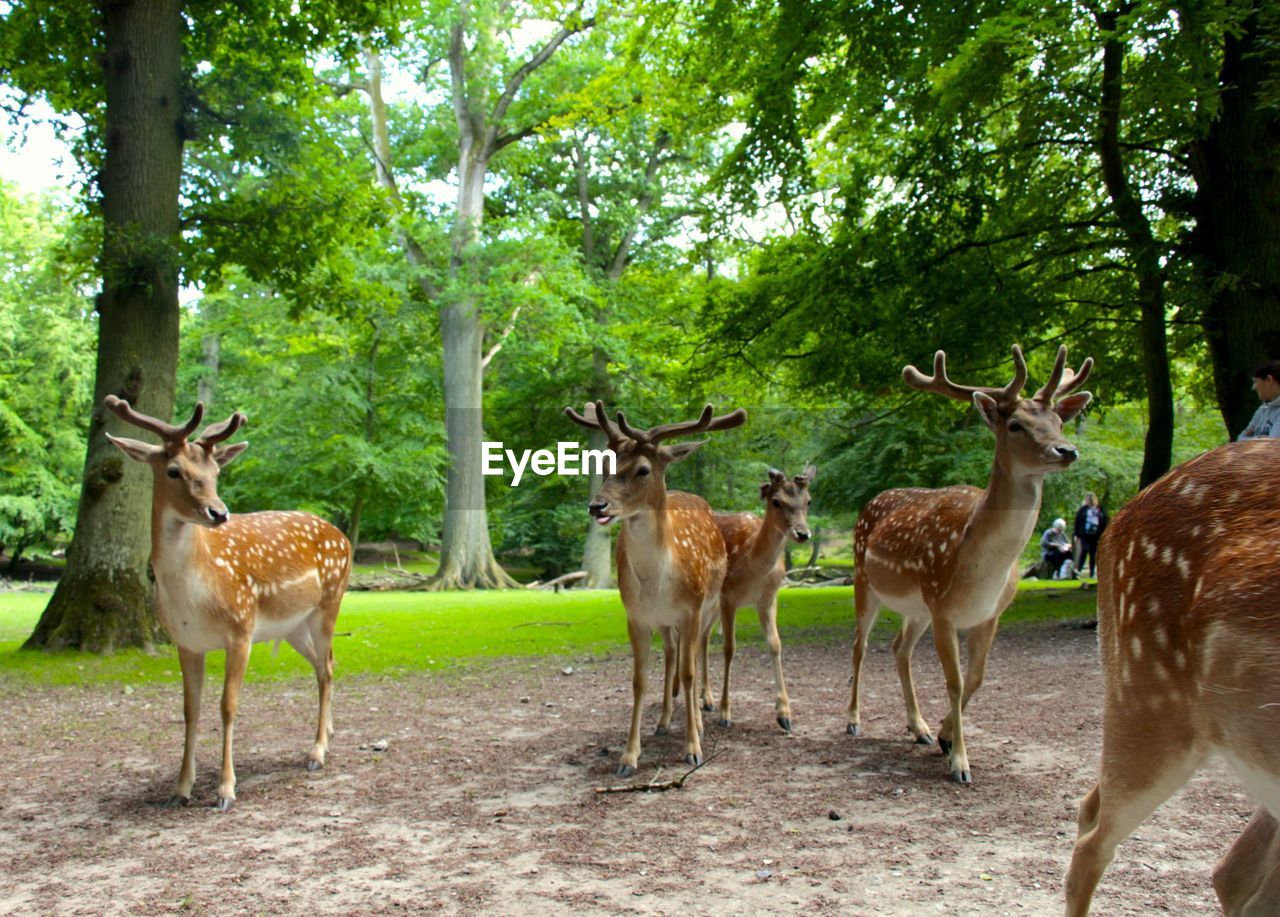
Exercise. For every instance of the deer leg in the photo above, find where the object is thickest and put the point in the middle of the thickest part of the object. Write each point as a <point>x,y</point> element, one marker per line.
<point>904,645</point>
<point>980,639</point>
<point>1125,795</point>
<point>728,614</point>
<point>1248,878</point>
<point>866,606</point>
<point>690,630</point>
<point>237,662</point>
<point>947,642</point>
<point>704,644</point>
<point>767,611</point>
<point>322,641</point>
<point>669,686</point>
<point>640,639</point>
<point>192,686</point>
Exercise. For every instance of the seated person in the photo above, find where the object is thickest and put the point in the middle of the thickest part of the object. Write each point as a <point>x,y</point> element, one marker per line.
<point>1055,547</point>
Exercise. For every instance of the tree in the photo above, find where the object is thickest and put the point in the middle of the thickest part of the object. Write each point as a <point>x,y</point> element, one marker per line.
<point>478,50</point>
<point>141,108</point>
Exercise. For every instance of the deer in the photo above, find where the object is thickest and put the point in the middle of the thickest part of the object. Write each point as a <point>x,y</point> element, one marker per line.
<point>948,557</point>
<point>671,557</point>
<point>1189,637</point>
<point>755,574</point>
<point>225,582</point>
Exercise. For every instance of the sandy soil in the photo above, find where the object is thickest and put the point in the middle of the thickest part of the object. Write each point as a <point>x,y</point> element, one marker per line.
<point>484,798</point>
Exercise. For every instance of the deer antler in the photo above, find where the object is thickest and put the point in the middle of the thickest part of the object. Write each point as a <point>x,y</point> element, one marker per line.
<point>704,424</point>
<point>939,384</point>
<point>1062,380</point>
<point>166,431</point>
<point>216,433</point>
<point>593,417</point>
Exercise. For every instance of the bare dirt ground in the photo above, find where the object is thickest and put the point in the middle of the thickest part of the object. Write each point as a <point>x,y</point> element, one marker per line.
<point>484,798</point>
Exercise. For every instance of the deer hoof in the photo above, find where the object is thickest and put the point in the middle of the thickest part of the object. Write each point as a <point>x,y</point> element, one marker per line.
<point>962,777</point>
<point>925,739</point>
<point>944,746</point>
<point>314,765</point>
<point>854,729</point>
<point>726,723</point>
<point>224,803</point>
<point>624,770</point>
<point>785,723</point>
<point>706,706</point>
<point>661,730</point>
<point>693,759</point>
<point>177,801</point>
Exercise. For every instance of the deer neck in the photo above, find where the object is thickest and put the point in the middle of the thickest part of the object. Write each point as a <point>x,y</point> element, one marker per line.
<point>176,545</point>
<point>1007,512</point>
<point>770,539</point>
<point>650,542</point>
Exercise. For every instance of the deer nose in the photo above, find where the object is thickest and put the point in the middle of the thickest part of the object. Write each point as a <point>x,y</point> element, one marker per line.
<point>216,516</point>
<point>802,535</point>
<point>1067,452</point>
<point>597,507</point>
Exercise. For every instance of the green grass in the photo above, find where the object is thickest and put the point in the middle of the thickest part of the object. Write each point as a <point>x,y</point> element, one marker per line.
<point>390,633</point>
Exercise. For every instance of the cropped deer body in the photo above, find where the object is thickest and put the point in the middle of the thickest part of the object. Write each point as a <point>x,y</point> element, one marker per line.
<point>226,582</point>
<point>948,557</point>
<point>671,557</point>
<point>1189,632</point>
<point>755,574</point>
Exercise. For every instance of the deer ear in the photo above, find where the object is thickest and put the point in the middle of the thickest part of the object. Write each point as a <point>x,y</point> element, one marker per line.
<point>806,477</point>
<point>136,449</point>
<point>988,408</point>
<point>1072,405</point>
<point>766,491</point>
<point>224,455</point>
<point>681,451</point>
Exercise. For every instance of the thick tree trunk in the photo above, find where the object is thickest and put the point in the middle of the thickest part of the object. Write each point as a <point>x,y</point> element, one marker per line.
<point>1158,449</point>
<point>466,553</point>
<point>1237,234</point>
<point>104,600</point>
<point>210,360</point>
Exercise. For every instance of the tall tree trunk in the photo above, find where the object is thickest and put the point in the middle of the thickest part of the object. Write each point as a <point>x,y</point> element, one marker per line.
<point>210,359</point>
<point>1157,453</point>
<point>104,599</point>
<point>466,553</point>
<point>1237,233</point>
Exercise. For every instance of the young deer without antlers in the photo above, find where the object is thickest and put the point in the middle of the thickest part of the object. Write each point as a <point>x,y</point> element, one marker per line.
<point>755,574</point>
<point>226,582</point>
<point>671,557</point>
<point>1189,631</point>
<point>948,557</point>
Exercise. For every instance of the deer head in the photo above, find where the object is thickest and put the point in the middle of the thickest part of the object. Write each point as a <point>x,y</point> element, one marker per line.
<point>787,502</point>
<point>185,473</point>
<point>1028,431</point>
<point>639,479</point>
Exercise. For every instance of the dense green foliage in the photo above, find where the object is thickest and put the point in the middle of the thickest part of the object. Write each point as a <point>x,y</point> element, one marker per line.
<point>780,228</point>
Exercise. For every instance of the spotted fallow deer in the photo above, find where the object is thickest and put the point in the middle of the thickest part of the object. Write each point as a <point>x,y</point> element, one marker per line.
<point>671,557</point>
<point>1189,632</point>
<point>755,574</point>
<point>226,582</point>
<point>948,557</point>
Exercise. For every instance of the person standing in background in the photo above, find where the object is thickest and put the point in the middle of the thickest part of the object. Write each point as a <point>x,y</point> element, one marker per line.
<point>1266,422</point>
<point>1091,521</point>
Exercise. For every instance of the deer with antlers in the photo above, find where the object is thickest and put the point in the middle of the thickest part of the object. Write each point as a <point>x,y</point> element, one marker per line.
<point>1189,632</point>
<point>754,576</point>
<point>671,557</point>
<point>226,582</point>
<point>948,557</point>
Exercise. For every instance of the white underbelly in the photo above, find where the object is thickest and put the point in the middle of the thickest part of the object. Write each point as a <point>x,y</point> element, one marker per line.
<point>1263,785</point>
<point>278,628</point>
<point>909,604</point>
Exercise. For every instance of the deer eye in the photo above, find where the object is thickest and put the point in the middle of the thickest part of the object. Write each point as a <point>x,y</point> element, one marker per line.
<point>173,472</point>
<point>775,502</point>
<point>1015,427</point>
<point>642,471</point>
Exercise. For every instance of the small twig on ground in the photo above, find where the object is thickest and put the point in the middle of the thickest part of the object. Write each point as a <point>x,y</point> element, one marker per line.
<point>542,624</point>
<point>651,787</point>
